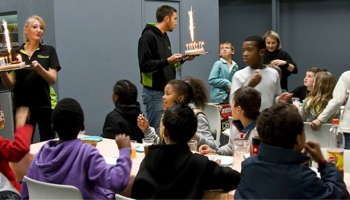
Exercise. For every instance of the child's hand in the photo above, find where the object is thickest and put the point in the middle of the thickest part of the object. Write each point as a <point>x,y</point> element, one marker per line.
<point>142,123</point>
<point>21,116</point>
<point>204,149</point>
<point>123,141</point>
<point>285,97</point>
<point>255,79</point>
<point>313,148</point>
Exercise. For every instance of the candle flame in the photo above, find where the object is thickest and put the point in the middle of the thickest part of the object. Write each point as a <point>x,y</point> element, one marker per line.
<point>191,21</point>
<point>7,37</point>
<point>19,58</point>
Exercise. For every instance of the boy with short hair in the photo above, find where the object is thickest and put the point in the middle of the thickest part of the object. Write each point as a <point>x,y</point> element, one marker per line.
<point>257,75</point>
<point>173,171</point>
<point>221,74</point>
<point>278,171</point>
<point>70,162</point>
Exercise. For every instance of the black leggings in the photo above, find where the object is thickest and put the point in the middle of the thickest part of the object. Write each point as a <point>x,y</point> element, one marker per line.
<point>42,117</point>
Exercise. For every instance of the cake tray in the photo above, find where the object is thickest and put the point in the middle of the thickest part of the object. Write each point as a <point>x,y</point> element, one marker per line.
<point>201,54</point>
<point>8,70</point>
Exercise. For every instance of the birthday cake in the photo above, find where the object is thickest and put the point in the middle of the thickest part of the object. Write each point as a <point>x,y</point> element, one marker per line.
<point>12,66</point>
<point>195,51</point>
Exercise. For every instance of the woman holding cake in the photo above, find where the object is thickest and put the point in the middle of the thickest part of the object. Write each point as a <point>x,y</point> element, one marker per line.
<point>32,87</point>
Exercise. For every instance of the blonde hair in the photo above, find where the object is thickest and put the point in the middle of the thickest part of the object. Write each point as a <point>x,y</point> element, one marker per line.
<point>322,92</point>
<point>272,34</point>
<point>30,21</point>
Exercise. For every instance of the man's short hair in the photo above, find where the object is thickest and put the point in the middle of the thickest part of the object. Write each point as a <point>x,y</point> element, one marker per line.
<point>280,125</point>
<point>68,119</point>
<point>259,41</point>
<point>164,11</point>
<point>250,101</point>
<point>180,122</point>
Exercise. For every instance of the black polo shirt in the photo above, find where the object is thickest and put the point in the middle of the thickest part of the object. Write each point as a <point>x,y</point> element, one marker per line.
<point>30,88</point>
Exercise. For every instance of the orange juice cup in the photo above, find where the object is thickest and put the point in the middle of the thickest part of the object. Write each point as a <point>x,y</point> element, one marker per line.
<point>133,148</point>
<point>146,143</point>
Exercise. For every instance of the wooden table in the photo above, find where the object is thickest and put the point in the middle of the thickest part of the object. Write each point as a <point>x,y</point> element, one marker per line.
<point>108,148</point>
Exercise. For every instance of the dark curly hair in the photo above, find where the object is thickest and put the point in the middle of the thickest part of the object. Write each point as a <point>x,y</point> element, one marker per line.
<point>280,125</point>
<point>126,92</point>
<point>192,90</point>
<point>259,41</point>
<point>180,122</point>
<point>250,101</point>
<point>68,119</point>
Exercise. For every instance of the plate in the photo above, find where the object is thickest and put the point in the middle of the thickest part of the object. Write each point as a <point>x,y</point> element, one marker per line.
<point>140,149</point>
<point>96,138</point>
<point>225,160</point>
<point>247,155</point>
<point>111,160</point>
<point>8,70</point>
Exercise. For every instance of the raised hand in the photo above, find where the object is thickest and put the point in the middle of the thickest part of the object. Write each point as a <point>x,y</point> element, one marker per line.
<point>142,122</point>
<point>123,141</point>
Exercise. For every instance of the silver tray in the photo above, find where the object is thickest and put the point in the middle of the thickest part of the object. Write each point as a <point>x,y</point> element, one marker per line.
<point>8,70</point>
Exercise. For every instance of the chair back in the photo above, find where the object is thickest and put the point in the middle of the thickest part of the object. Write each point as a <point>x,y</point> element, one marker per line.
<point>319,136</point>
<point>213,115</point>
<point>6,106</point>
<point>43,190</point>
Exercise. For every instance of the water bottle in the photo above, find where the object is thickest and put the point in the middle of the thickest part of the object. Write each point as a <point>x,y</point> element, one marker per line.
<point>336,143</point>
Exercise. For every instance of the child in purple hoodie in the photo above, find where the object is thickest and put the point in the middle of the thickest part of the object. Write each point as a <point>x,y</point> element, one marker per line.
<point>70,162</point>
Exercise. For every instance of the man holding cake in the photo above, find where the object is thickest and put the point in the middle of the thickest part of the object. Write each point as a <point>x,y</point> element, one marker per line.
<point>157,63</point>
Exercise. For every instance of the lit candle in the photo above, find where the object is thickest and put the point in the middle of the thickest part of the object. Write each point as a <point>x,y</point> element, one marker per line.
<point>19,58</point>
<point>7,39</point>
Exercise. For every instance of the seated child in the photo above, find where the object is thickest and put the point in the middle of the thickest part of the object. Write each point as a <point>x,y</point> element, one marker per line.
<point>123,119</point>
<point>278,172</point>
<point>245,110</point>
<point>301,92</point>
<point>188,91</point>
<point>221,74</point>
<point>68,161</point>
<point>173,171</point>
<point>318,98</point>
<point>14,151</point>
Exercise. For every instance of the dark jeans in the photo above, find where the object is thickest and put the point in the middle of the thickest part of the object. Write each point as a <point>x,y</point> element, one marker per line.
<point>154,106</point>
<point>9,195</point>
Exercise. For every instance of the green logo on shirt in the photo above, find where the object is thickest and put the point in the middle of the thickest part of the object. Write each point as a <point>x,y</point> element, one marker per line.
<point>169,47</point>
<point>41,56</point>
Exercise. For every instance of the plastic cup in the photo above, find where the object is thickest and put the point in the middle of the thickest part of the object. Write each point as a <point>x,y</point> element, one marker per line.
<point>192,144</point>
<point>241,146</point>
<point>133,148</point>
<point>146,143</point>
